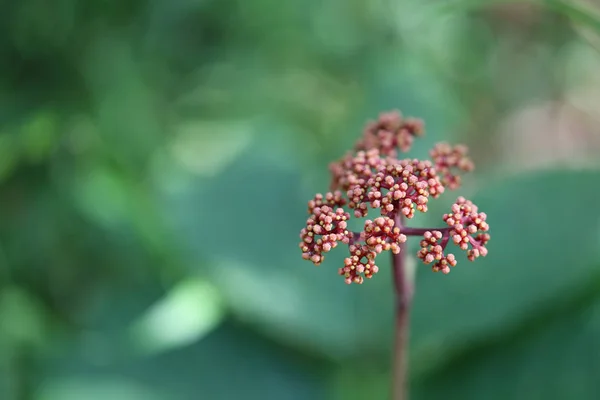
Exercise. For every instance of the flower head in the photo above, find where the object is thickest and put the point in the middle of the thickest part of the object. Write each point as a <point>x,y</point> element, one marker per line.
<point>404,186</point>
<point>390,133</point>
<point>449,162</point>
<point>325,227</point>
<point>360,264</point>
<point>373,178</point>
<point>382,235</point>
<point>331,199</point>
<point>355,169</point>
<point>468,228</point>
<point>432,250</point>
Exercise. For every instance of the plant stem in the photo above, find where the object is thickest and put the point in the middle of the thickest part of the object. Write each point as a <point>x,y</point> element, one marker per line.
<point>404,289</point>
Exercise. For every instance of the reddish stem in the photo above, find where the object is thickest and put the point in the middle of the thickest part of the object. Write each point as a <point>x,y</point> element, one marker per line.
<point>404,289</point>
<point>445,240</point>
<point>355,237</point>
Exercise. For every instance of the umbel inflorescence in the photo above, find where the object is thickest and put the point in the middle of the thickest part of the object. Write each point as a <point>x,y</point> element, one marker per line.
<point>372,177</point>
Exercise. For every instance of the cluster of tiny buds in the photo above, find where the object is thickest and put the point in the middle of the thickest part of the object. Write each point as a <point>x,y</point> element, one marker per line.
<point>324,229</point>
<point>373,178</point>
<point>360,264</point>
<point>390,133</point>
<point>381,235</point>
<point>468,228</point>
<point>334,199</point>
<point>449,162</point>
<point>355,169</point>
<point>432,249</point>
<point>404,186</point>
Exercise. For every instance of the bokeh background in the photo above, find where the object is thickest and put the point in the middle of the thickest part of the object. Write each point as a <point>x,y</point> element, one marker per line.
<point>156,157</point>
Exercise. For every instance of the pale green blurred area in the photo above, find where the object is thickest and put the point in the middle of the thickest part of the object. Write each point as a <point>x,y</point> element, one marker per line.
<point>156,158</point>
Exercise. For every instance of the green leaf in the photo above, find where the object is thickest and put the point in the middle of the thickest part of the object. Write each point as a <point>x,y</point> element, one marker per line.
<point>96,388</point>
<point>558,359</point>
<point>125,105</point>
<point>22,318</point>
<point>9,155</point>
<point>234,362</point>
<point>38,135</point>
<point>246,221</point>
<point>374,381</point>
<point>544,230</point>
<point>187,313</point>
<point>231,362</point>
<point>553,355</point>
<point>255,262</point>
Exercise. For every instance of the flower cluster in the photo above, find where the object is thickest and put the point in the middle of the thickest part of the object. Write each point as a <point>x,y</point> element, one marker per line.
<point>355,169</point>
<point>381,235</point>
<point>360,264</point>
<point>372,177</point>
<point>390,133</point>
<point>432,249</point>
<point>449,162</point>
<point>468,228</point>
<point>325,227</point>
<point>404,186</point>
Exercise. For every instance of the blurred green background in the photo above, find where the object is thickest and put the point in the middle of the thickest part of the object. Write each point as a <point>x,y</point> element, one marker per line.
<point>156,157</point>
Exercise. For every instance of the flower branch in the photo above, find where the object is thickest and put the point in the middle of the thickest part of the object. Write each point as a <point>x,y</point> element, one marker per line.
<point>372,178</point>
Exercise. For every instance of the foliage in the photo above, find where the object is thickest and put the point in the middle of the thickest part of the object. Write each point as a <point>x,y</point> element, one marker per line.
<point>155,159</point>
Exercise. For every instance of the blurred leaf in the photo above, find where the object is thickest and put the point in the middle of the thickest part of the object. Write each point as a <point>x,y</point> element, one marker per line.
<point>542,225</point>
<point>554,355</point>
<point>466,5</point>
<point>34,33</point>
<point>231,362</point>
<point>98,388</point>
<point>39,135</point>
<point>9,155</point>
<point>556,360</point>
<point>114,199</point>
<point>246,221</point>
<point>359,380</point>
<point>310,306</point>
<point>102,195</point>
<point>578,13</point>
<point>581,65</point>
<point>75,266</point>
<point>124,104</point>
<point>305,305</point>
<point>187,313</point>
<point>301,303</point>
<point>22,318</point>
<point>571,9</point>
<point>206,147</point>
